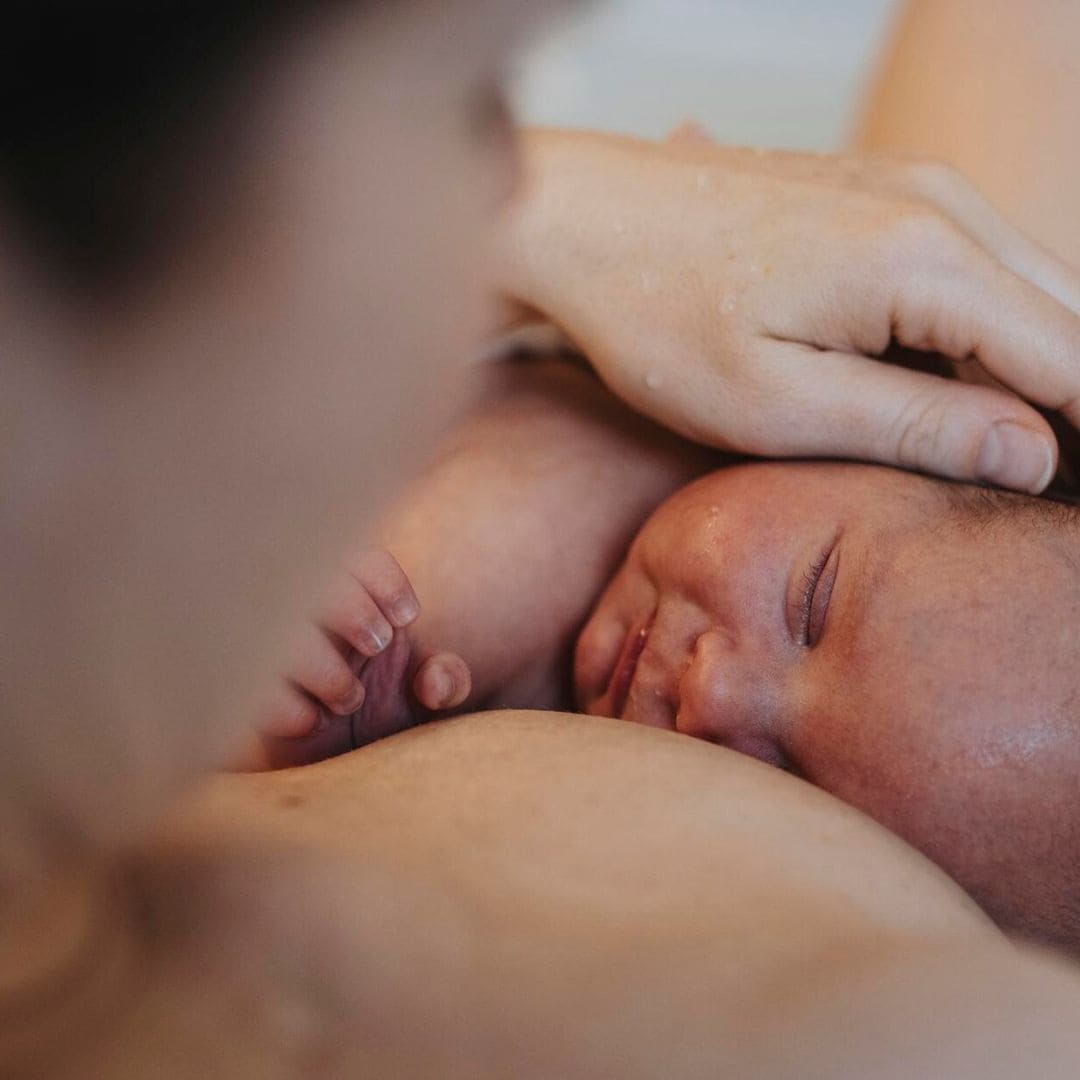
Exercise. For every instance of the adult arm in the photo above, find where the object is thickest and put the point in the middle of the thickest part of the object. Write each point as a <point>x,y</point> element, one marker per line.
<point>992,87</point>
<point>736,297</point>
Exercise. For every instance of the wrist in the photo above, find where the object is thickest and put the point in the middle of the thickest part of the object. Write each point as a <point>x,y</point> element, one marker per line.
<point>549,225</point>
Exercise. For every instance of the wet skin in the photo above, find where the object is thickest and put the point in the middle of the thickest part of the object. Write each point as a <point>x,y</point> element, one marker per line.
<point>860,628</point>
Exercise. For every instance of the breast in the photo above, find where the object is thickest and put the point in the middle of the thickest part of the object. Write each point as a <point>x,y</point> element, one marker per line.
<point>534,894</point>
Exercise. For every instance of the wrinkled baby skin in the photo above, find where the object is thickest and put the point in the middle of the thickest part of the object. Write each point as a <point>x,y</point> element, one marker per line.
<point>908,645</point>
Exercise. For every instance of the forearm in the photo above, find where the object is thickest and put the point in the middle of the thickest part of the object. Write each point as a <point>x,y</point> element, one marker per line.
<point>990,86</point>
<point>516,527</point>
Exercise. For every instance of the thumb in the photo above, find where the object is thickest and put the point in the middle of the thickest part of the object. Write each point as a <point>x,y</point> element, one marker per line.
<point>443,681</point>
<point>859,408</point>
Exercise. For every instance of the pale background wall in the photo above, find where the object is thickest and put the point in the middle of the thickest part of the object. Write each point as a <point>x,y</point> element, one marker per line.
<point>768,72</point>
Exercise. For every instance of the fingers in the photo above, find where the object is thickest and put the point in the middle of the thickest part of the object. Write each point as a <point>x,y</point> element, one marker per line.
<point>876,412</point>
<point>966,304</point>
<point>332,737</point>
<point>948,190</point>
<point>290,714</point>
<point>375,598</point>
<point>443,681</point>
<point>320,669</point>
<point>378,573</point>
<point>354,616</point>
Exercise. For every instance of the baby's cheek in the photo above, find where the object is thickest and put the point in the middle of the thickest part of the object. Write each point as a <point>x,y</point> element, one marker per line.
<point>597,652</point>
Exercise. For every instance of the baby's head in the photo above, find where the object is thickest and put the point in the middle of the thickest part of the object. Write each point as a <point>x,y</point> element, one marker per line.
<point>909,645</point>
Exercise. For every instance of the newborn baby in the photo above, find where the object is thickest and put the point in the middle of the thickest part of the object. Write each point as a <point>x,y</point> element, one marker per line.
<point>910,646</point>
<point>906,644</point>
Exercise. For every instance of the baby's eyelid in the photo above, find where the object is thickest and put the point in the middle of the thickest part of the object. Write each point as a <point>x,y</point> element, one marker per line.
<point>821,597</point>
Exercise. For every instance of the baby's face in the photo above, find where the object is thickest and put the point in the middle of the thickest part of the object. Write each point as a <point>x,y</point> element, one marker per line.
<point>853,625</point>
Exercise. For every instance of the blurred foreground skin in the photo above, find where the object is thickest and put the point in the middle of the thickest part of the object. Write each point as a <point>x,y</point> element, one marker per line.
<point>181,457</point>
<point>181,452</point>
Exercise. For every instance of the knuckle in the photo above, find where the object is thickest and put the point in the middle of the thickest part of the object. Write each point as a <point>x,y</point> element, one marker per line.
<point>919,434</point>
<point>921,238</point>
<point>917,228</point>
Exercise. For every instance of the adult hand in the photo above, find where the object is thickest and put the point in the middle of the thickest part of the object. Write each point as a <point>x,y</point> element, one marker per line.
<point>735,296</point>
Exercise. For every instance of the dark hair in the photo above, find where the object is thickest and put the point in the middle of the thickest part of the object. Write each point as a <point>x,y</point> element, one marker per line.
<point>102,101</point>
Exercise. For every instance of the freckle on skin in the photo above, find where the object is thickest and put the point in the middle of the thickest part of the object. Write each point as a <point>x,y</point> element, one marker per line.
<point>290,800</point>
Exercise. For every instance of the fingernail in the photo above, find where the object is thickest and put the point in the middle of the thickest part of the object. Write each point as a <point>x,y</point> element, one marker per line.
<point>442,686</point>
<point>404,611</point>
<point>355,699</point>
<point>378,640</point>
<point>1016,457</point>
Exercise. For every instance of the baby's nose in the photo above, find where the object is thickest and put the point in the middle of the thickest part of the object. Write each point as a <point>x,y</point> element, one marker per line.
<point>729,695</point>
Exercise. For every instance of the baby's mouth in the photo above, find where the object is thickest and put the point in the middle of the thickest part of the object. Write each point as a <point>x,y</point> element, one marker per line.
<point>622,678</point>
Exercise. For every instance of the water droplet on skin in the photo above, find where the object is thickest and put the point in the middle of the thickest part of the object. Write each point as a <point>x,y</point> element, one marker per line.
<point>727,305</point>
<point>654,380</point>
